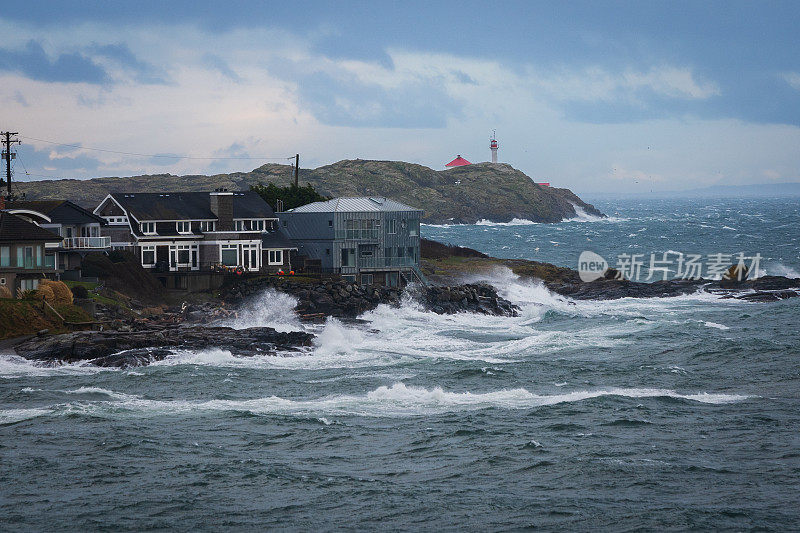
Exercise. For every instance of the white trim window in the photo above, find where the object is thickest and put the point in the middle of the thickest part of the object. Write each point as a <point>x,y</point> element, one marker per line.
<point>250,253</point>
<point>207,225</point>
<point>276,257</point>
<point>184,226</point>
<point>148,228</point>
<point>392,226</point>
<point>229,254</point>
<point>148,256</point>
<point>242,225</point>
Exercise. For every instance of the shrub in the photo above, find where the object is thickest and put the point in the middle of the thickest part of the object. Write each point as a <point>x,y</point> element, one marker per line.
<point>61,293</point>
<point>79,291</point>
<point>5,292</point>
<point>46,292</point>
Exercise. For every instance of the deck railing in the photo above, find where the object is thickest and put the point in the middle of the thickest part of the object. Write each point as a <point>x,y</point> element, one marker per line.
<point>81,243</point>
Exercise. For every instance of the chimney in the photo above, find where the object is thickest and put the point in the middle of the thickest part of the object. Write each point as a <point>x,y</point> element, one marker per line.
<point>222,207</point>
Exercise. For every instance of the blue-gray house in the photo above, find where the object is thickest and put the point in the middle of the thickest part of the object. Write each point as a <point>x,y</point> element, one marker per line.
<point>369,240</point>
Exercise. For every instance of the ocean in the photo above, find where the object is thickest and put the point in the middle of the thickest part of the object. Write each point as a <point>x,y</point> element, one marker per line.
<point>664,413</point>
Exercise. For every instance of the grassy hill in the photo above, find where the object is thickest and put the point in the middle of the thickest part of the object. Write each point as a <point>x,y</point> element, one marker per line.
<point>492,191</point>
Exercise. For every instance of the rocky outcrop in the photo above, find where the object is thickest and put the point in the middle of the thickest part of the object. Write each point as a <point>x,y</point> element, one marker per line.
<point>764,289</point>
<point>613,289</point>
<point>137,348</point>
<point>345,299</point>
<point>472,298</point>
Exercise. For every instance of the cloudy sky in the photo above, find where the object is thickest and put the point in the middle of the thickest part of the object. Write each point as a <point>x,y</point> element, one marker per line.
<point>634,96</point>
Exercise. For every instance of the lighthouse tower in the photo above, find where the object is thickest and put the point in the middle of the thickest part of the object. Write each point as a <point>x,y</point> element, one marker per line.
<point>493,146</point>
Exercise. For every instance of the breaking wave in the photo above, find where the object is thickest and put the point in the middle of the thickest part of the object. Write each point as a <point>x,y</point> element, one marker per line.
<point>512,222</point>
<point>397,400</point>
<point>582,216</point>
<point>270,308</point>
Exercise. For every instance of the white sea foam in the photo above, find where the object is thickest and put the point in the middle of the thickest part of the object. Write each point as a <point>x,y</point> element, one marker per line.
<point>779,269</point>
<point>582,216</point>
<point>12,366</point>
<point>397,400</point>
<point>10,416</point>
<point>270,308</point>
<point>715,325</point>
<point>512,222</point>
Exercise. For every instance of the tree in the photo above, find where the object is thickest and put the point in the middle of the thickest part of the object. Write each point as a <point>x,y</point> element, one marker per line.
<point>292,196</point>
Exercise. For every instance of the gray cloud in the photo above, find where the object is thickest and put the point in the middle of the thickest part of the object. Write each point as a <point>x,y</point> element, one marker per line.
<point>33,62</point>
<point>143,71</point>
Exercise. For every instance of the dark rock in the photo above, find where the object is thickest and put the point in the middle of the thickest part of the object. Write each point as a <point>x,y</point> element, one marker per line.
<point>122,348</point>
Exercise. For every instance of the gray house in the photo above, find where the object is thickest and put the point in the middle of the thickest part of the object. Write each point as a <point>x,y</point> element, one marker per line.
<point>23,259</point>
<point>371,240</point>
<point>79,229</point>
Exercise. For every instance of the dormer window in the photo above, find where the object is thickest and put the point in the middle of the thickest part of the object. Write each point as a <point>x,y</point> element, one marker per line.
<point>184,226</point>
<point>207,225</point>
<point>242,225</point>
<point>148,228</point>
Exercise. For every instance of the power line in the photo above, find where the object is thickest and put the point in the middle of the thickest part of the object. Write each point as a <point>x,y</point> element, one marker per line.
<point>150,155</point>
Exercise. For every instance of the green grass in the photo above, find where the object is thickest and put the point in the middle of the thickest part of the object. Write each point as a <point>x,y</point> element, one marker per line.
<point>99,298</point>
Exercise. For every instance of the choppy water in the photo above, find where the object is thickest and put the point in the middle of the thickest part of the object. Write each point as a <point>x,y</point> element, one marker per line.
<point>658,413</point>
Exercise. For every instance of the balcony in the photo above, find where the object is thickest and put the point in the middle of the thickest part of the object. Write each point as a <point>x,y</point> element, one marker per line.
<point>357,234</point>
<point>384,263</point>
<point>86,243</point>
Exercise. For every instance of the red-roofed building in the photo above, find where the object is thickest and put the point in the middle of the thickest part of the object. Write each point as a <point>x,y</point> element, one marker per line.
<point>458,162</point>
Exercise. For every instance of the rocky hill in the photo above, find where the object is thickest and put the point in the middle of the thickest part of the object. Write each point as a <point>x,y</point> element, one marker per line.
<point>492,191</point>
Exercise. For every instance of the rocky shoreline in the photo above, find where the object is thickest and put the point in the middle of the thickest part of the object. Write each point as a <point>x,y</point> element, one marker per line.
<point>158,332</point>
<point>764,289</point>
<point>154,343</point>
<point>343,299</point>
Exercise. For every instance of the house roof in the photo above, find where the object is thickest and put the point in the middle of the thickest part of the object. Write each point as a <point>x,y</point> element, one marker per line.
<point>59,211</point>
<point>15,229</point>
<point>189,205</point>
<point>358,204</point>
<point>276,239</point>
<point>458,162</point>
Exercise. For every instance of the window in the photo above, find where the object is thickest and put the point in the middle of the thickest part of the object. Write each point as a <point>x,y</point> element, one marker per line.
<point>184,226</point>
<point>411,255</point>
<point>276,257</point>
<point>392,279</point>
<point>148,228</point>
<point>413,227</point>
<point>229,255</point>
<point>349,277</point>
<point>207,225</point>
<point>348,257</point>
<point>29,284</point>
<point>5,256</point>
<point>183,254</point>
<point>261,225</point>
<point>2,281</point>
<point>285,223</point>
<point>250,256</point>
<point>330,223</point>
<point>148,255</point>
<point>392,225</point>
<point>366,279</point>
<point>366,253</point>
<point>327,251</point>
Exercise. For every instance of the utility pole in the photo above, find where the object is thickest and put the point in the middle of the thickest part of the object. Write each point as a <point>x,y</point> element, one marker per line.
<point>296,169</point>
<point>7,155</point>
